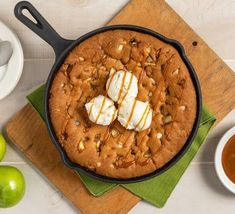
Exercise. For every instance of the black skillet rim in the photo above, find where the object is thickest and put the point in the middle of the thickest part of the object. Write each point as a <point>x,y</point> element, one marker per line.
<point>169,164</point>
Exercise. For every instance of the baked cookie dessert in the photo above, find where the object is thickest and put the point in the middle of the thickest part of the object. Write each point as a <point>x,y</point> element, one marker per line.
<point>110,144</point>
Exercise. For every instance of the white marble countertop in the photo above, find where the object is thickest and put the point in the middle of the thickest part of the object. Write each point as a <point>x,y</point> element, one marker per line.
<point>199,190</point>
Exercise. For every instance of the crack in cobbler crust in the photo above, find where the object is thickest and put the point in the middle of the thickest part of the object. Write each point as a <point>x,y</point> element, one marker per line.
<point>163,80</point>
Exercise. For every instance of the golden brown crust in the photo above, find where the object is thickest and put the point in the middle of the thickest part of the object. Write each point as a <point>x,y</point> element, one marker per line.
<point>164,81</point>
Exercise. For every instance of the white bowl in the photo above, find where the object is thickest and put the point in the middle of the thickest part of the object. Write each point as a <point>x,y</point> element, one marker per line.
<point>218,160</point>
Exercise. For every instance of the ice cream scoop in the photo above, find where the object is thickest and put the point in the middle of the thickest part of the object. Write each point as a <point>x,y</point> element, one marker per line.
<point>101,110</point>
<point>121,85</point>
<point>135,114</point>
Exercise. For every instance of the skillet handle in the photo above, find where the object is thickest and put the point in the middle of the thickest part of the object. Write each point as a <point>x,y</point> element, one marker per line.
<point>42,28</point>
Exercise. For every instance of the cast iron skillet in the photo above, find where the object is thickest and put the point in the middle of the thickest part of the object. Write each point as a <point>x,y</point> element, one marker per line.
<point>63,46</point>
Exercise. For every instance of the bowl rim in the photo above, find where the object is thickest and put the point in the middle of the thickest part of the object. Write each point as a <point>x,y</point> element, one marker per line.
<point>218,160</point>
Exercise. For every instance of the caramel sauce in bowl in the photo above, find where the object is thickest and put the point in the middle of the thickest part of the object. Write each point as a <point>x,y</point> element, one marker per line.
<point>225,160</point>
<point>228,158</point>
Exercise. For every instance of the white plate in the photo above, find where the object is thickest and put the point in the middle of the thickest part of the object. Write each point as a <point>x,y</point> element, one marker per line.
<point>15,66</point>
<point>218,161</point>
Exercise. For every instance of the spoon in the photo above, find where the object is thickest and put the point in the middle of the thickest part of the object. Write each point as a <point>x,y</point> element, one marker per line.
<point>5,55</point>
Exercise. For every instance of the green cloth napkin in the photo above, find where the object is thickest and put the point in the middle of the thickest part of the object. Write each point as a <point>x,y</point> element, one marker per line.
<point>156,190</point>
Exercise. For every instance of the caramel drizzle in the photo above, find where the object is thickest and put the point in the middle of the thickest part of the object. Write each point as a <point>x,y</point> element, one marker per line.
<point>101,108</point>
<point>131,114</point>
<point>93,101</point>
<point>142,117</point>
<point>120,90</point>
<point>140,75</point>
<point>113,116</point>
<point>127,164</point>
<point>144,163</point>
<point>106,134</point>
<point>111,79</point>
<point>145,119</point>
<point>129,135</point>
<point>128,88</point>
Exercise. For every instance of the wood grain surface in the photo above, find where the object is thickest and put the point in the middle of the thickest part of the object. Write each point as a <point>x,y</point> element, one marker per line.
<point>218,87</point>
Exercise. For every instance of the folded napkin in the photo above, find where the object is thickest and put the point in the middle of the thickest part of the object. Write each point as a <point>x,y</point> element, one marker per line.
<point>156,190</point>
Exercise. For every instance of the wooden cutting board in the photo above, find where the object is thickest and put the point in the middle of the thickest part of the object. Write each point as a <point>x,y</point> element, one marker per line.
<point>27,131</point>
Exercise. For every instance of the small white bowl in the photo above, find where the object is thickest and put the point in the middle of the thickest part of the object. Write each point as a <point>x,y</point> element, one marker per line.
<point>218,160</point>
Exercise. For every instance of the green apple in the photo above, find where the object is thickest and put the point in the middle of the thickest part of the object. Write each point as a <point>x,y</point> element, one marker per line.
<point>12,186</point>
<point>2,147</point>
